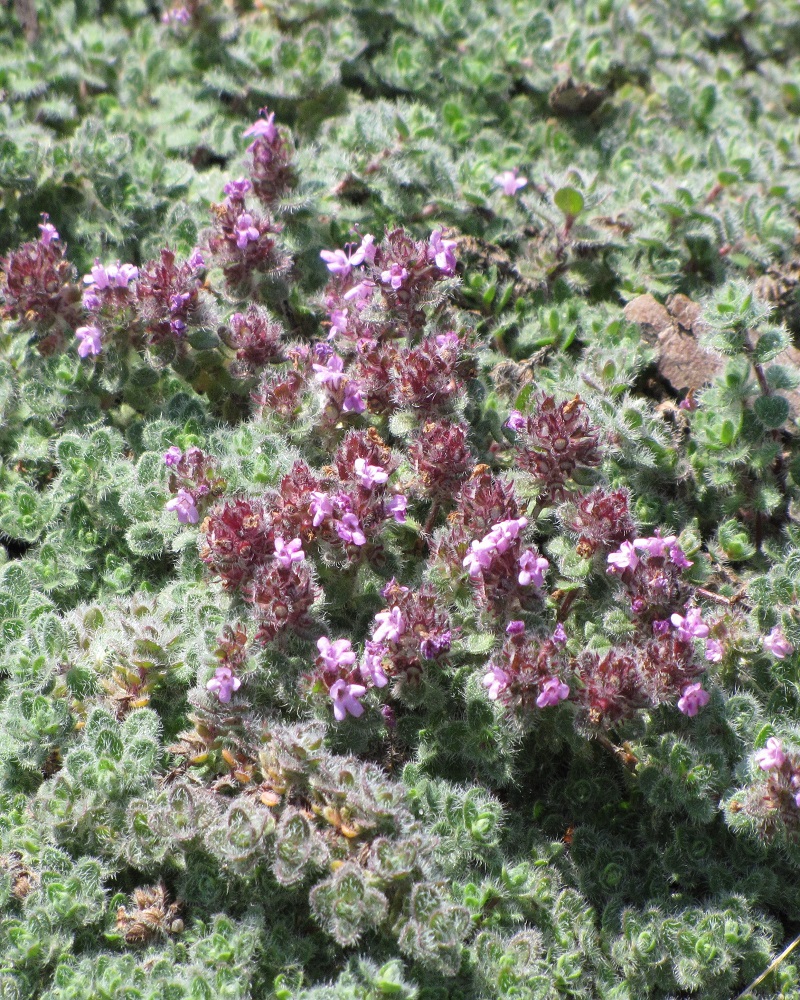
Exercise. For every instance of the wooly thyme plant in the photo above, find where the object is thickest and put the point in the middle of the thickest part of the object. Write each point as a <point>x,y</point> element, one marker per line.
<point>430,673</point>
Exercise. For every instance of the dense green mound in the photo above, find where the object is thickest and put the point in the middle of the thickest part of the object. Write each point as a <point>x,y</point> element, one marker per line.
<point>399,535</point>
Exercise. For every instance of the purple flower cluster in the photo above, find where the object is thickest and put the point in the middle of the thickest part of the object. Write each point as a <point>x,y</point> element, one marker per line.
<point>601,520</point>
<point>553,443</point>
<point>484,554</point>
<point>337,671</point>
<point>193,480</point>
<point>399,272</point>
<point>272,173</point>
<point>441,458</point>
<point>651,572</point>
<point>242,545</point>
<point>412,631</point>
<point>257,340</point>
<point>152,306</point>
<point>605,688</point>
<point>168,297</point>
<point>243,242</point>
<point>774,803</point>
<point>38,289</point>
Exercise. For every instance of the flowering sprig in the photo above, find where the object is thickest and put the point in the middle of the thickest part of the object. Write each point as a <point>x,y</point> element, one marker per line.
<point>410,633</point>
<point>605,688</point>
<point>38,289</point>
<point>168,298</point>
<point>651,571</point>
<point>272,172</point>
<point>601,519</point>
<point>244,244</point>
<point>336,671</point>
<point>441,458</point>
<point>257,340</point>
<point>774,801</point>
<point>193,479</point>
<point>403,272</point>
<point>554,442</point>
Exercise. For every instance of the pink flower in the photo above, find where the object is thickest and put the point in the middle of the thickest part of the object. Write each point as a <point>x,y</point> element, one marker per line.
<point>91,300</point>
<point>98,276</point>
<point>777,644</point>
<point>503,534</point>
<point>353,401</point>
<point>678,557</point>
<point>496,682</point>
<point>91,341</point>
<point>397,507</point>
<point>336,654</point>
<point>515,627</point>
<point>343,261</point>
<point>238,189</point>
<point>344,697</point>
<point>331,372</point>
<point>178,301</point>
<point>690,403</point>
<point>49,233</point>
<point>372,668</point>
<point>654,546</point>
<point>360,293</point>
<point>660,625</point>
<point>246,231</point>
<point>478,558</point>
<point>115,275</point>
<point>714,651</point>
<point>321,506</point>
<point>349,530</point>
<point>390,626</point>
<point>450,340</point>
<point>560,635</point>
<point>263,127</point>
<point>224,683</point>
<point>366,249</point>
<point>690,627</point>
<point>394,276</point>
<point>123,274</point>
<point>516,421</point>
<point>172,455</point>
<point>692,699</point>
<point>624,558</point>
<point>554,690</point>
<point>510,182</point>
<point>184,506</point>
<point>196,260</point>
<point>289,552</point>
<point>772,757</point>
<point>532,569</point>
<point>338,322</point>
<point>435,645</point>
<point>369,475</point>
<point>442,252</point>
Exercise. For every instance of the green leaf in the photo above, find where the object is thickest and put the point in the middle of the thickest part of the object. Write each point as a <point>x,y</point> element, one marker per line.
<point>772,411</point>
<point>770,344</point>
<point>569,201</point>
